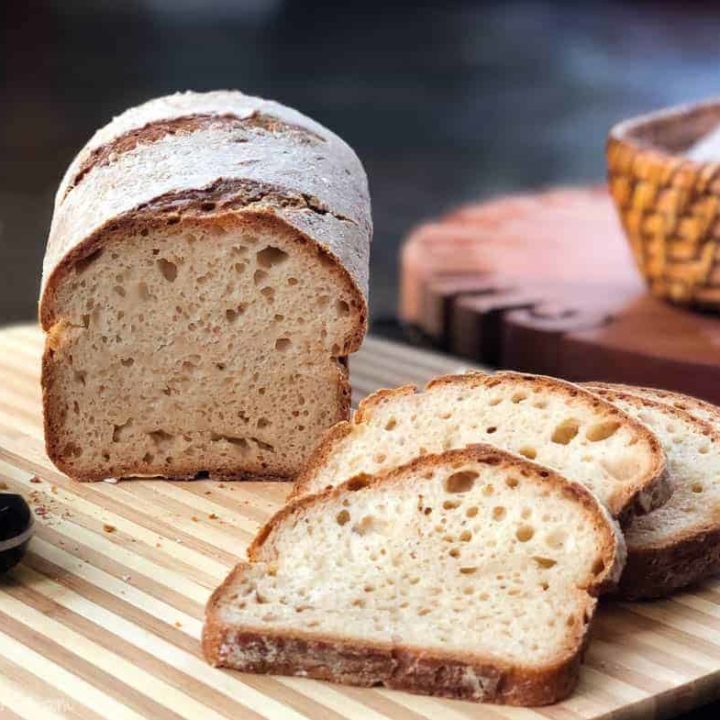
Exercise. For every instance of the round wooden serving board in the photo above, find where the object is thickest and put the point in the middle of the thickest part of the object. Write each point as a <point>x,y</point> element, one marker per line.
<point>546,283</point>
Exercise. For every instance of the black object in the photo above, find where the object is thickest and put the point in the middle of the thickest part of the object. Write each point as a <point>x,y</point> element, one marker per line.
<point>16,529</point>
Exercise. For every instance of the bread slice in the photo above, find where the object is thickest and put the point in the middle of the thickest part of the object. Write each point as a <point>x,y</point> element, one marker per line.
<point>700,409</point>
<point>679,543</point>
<point>556,423</point>
<point>204,281</point>
<point>470,574</point>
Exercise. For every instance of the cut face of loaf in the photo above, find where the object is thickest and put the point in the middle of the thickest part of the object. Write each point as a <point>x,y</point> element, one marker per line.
<point>550,421</point>
<point>679,543</point>
<point>471,574</point>
<point>204,282</point>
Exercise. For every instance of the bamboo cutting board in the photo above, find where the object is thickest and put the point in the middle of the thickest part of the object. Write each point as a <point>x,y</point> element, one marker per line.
<point>103,618</point>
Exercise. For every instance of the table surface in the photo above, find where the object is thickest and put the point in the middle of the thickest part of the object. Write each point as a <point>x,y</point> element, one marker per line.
<point>104,616</point>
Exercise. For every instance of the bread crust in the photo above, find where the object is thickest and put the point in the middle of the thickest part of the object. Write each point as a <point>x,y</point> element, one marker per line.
<point>681,559</point>
<point>459,675</point>
<point>651,492</point>
<point>689,403</point>
<point>336,215</point>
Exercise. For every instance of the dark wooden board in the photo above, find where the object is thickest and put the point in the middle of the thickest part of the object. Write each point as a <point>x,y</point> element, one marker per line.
<point>546,283</point>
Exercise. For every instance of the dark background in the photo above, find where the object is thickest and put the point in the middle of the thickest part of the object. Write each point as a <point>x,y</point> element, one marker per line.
<point>445,102</point>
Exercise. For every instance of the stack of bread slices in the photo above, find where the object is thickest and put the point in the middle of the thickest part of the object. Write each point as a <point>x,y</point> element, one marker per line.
<point>454,541</point>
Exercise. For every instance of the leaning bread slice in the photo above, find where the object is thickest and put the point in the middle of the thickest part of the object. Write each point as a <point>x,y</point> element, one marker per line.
<point>700,409</point>
<point>679,543</point>
<point>471,574</point>
<point>560,425</point>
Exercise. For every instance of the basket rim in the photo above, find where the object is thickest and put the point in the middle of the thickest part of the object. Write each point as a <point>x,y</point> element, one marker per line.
<point>646,132</point>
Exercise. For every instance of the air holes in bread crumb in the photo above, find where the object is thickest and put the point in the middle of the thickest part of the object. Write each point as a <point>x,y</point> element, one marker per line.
<point>465,536</point>
<point>499,512</point>
<point>598,567</point>
<point>232,313</point>
<point>512,482</point>
<point>518,397</point>
<point>454,553</point>
<point>82,265</point>
<point>529,452</point>
<point>391,424</point>
<point>283,344</point>
<point>697,487</point>
<point>471,511</point>
<point>468,570</point>
<point>168,269</point>
<point>259,276</point>
<point>491,430</point>
<point>342,517</point>
<point>120,432</point>
<point>602,430</point>
<point>143,292</point>
<point>270,257</point>
<point>342,308</point>
<point>525,533</point>
<point>460,482</point>
<point>565,431</point>
<point>127,362</point>
<point>544,562</point>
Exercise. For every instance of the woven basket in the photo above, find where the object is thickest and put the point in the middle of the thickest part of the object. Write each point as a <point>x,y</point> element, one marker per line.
<point>669,204</point>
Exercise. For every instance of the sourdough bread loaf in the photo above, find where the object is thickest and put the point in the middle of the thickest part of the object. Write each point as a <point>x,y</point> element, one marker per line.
<point>556,423</point>
<point>471,574</point>
<point>204,281</point>
<point>679,543</point>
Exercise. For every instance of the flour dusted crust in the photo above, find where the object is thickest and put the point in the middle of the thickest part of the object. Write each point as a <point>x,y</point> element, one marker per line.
<point>204,166</point>
<point>400,665</point>
<point>678,544</point>
<point>648,490</point>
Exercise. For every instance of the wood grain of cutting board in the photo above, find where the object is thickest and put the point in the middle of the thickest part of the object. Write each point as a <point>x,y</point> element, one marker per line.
<point>103,618</point>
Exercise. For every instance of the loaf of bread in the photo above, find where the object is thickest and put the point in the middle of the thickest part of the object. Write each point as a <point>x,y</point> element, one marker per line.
<point>556,423</point>
<point>679,543</point>
<point>470,574</point>
<point>204,281</point>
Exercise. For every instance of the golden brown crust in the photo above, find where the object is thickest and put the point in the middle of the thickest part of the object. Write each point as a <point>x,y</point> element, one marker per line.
<point>651,492</point>
<point>658,572</point>
<point>400,668</point>
<point>672,397</point>
<point>460,675</point>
